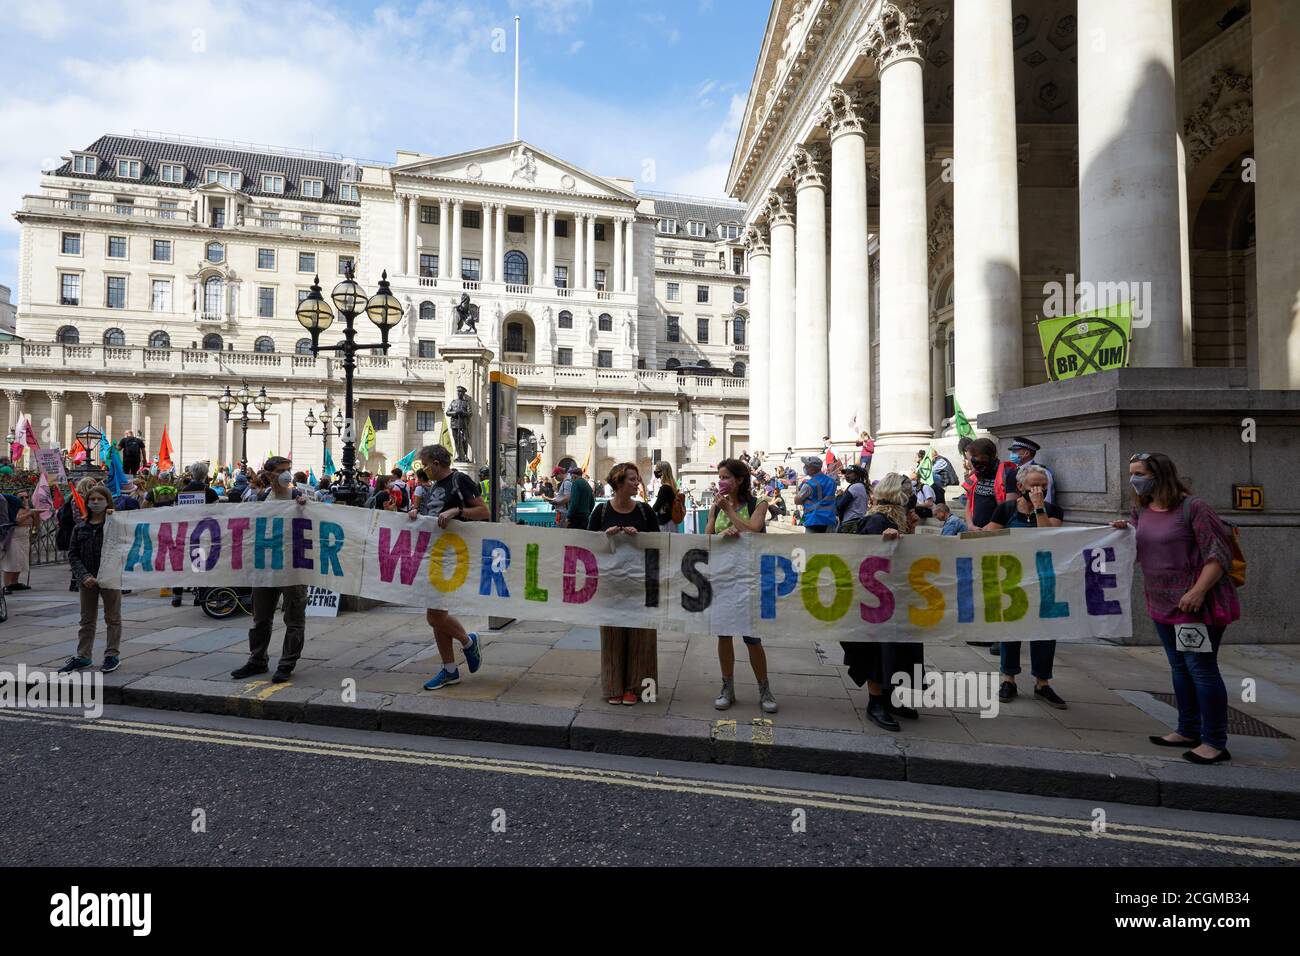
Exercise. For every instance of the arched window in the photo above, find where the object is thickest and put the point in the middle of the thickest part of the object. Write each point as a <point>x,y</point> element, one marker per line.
<point>68,335</point>
<point>515,337</point>
<point>264,343</point>
<point>516,268</point>
<point>216,252</point>
<point>159,340</point>
<point>427,312</point>
<point>212,342</point>
<point>738,370</point>
<point>738,330</point>
<point>214,295</point>
<point>566,319</point>
<point>303,347</point>
<point>606,322</point>
<point>672,364</point>
<point>115,337</point>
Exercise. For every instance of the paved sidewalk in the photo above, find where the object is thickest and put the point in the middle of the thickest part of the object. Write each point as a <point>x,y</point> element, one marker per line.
<point>539,683</point>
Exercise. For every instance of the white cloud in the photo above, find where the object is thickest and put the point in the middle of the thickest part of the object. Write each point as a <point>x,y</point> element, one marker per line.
<point>576,45</point>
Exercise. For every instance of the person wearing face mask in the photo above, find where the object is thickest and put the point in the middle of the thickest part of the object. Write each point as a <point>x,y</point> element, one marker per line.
<point>1185,551</point>
<point>1023,452</point>
<point>279,478</point>
<point>989,483</point>
<point>83,554</point>
<point>737,511</point>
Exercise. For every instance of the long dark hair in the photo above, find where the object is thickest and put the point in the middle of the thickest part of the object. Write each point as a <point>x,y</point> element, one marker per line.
<point>740,471</point>
<point>1170,488</point>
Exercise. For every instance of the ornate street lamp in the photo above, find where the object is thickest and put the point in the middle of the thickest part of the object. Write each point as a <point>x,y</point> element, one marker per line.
<point>324,422</point>
<point>244,398</point>
<point>316,316</point>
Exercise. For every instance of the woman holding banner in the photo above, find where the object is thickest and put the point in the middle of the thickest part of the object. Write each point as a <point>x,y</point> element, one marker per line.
<point>629,656</point>
<point>875,663</point>
<point>737,511</point>
<point>1030,509</point>
<point>1185,551</point>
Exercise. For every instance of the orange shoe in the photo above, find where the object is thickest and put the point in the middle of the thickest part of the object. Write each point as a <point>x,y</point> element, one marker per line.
<point>630,698</point>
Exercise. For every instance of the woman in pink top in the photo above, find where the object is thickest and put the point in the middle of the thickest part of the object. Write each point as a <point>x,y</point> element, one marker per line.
<point>1184,550</point>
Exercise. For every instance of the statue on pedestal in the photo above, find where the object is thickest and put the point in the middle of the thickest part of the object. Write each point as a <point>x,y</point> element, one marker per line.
<point>466,316</point>
<point>459,412</point>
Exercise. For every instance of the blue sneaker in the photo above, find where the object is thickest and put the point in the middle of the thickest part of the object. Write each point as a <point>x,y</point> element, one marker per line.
<point>444,678</point>
<point>110,664</point>
<point>75,664</point>
<point>473,652</point>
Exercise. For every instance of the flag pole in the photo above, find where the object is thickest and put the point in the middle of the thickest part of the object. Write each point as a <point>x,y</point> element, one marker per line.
<point>516,136</point>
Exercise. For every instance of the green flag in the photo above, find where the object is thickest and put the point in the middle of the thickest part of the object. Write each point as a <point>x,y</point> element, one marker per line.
<point>1091,342</point>
<point>367,441</point>
<point>444,439</point>
<point>959,421</point>
<point>328,468</point>
<point>925,470</point>
<point>407,461</point>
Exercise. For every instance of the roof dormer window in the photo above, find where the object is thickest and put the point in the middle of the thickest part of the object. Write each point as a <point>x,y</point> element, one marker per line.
<point>128,168</point>
<point>349,192</point>
<point>313,188</point>
<point>85,163</point>
<point>728,230</point>
<point>224,176</point>
<point>696,228</point>
<point>272,183</point>
<point>173,173</point>
<point>668,227</point>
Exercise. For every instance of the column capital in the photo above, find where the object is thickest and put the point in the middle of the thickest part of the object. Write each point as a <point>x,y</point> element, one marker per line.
<point>780,208</point>
<point>136,398</point>
<point>400,404</point>
<point>902,30</point>
<point>55,394</point>
<point>14,394</point>
<point>548,411</point>
<point>850,109</point>
<point>96,397</point>
<point>443,201</point>
<point>592,411</point>
<point>756,242</point>
<point>807,166</point>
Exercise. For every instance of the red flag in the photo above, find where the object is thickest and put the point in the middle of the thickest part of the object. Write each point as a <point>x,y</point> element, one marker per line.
<point>42,499</point>
<point>81,505</point>
<point>78,452</point>
<point>58,497</point>
<point>165,452</point>
<point>27,434</point>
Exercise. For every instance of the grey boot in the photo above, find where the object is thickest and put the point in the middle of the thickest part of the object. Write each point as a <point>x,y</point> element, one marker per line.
<point>765,698</point>
<point>728,695</point>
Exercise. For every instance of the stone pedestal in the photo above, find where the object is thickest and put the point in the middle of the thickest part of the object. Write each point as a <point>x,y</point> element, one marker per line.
<point>466,360</point>
<point>1090,426</point>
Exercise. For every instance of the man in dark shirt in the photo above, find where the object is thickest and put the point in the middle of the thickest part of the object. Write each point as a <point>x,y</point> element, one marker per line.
<point>989,484</point>
<point>132,450</point>
<point>581,500</point>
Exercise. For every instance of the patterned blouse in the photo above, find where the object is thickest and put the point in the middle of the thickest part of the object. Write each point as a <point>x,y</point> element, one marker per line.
<point>1172,555</point>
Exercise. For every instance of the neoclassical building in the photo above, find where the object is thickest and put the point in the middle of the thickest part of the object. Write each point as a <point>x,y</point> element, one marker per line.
<point>924,177</point>
<point>155,272</point>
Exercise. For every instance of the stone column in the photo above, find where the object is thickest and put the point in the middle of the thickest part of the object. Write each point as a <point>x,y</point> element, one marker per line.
<point>760,353</point>
<point>897,39</point>
<point>548,432</point>
<point>811,344</point>
<point>538,272</point>
<point>938,387</point>
<point>485,254</point>
<point>781,384</point>
<point>499,244</point>
<point>399,231</point>
<point>1273,350</point>
<point>671,445</point>
<point>15,396</point>
<point>986,208</point>
<point>457,208</point>
<point>592,411</point>
<point>850,293</point>
<point>444,241</point>
<point>412,236</point>
<point>590,268</point>
<point>629,263</point>
<point>137,411</point>
<point>578,274</point>
<point>1128,169</point>
<point>550,247</point>
<point>616,280</point>
<point>56,419</point>
<point>400,404</point>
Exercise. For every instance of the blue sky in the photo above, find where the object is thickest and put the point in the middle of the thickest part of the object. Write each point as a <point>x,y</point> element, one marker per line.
<point>647,89</point>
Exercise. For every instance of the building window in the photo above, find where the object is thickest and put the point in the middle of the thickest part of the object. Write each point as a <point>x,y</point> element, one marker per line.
<point>302,294</point>
<point>270,219</point>
<point>68,335</point>
<point>158,339</point>
<point>349,192</point>
<point>428,265</point>
<point>702,331</point>
<point>738,262</point>
<point>469,269</point>
<point>212,342</point>
<point>565,356</point>
<point>471,219</point>
<point>349,226</point>
<point>426,421</point>
<point>428,214</point>
<point>218,217</point>
<point>160,295</point>
<point>561,277</point>
<point>728,231</point>
<point>216,252</point>
<point>171,173</point>
<point>702,294</point>
<point>310,222</point>
<point>226,177</point>
<point>214,290</point>
<point>568,426</point>
<point>514,223</point>
<point>428,348</point>
<point>346,263</point>
<point>600,232</point>
<point>600,280</point>
<point>738,295</point>
<point>428,312</point>
<point>698,260</point>
<point>566,320</point>
<point>670,257</point>
<point>117,247</point>
<point>266,302</point>
<point>69,289</point>
<point>674,328</point>
<point>562,228</point>
<point>115,338</point>
<point>674,293</point>
<point>79,200</point>
<point>515,337</point>
<point>115,295</point>
<point>272,184</point>
<point>379,418</point>
<point>302,347</point>
<point>162,250</point>
<point>738,370</point>
<point>313,188</point>
<point>266,258</point>
<point>605,322</point>
<point>668,227</point>
<point>128,168</point>
<point>516,264</point>
<point>696,228</point>
<point>306,262</point>
<point>71,244</point>
<point>87,165</point>
<point>604,359</point>
<point>264,344</point>
<point>738,330</point>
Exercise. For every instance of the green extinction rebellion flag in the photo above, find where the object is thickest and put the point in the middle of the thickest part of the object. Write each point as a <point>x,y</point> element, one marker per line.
<point>1090,342</point>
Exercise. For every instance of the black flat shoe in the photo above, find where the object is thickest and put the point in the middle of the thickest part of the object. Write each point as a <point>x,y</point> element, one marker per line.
<point>898,710</point>
<point>1192,757</point>
<point>1185,744</point>
<point>1007,691</point>
<point>248,670</point>
<point>877,714</point>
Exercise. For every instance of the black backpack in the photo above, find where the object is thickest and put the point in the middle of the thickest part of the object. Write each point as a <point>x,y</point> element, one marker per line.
<point>67,521</point>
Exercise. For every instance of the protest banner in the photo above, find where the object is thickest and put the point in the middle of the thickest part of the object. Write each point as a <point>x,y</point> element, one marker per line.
<point>191,498</point>
<point>1068,584</point>
<point>322,602</point>
<point>50,461</point>
<point>1086,343</point>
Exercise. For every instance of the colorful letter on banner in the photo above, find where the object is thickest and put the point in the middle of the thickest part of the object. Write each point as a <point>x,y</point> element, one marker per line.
<point>1026,585</point>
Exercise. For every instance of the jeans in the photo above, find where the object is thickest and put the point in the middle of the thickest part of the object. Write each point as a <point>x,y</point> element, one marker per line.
<point>1041,655</point>
<point>1198,687</point>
